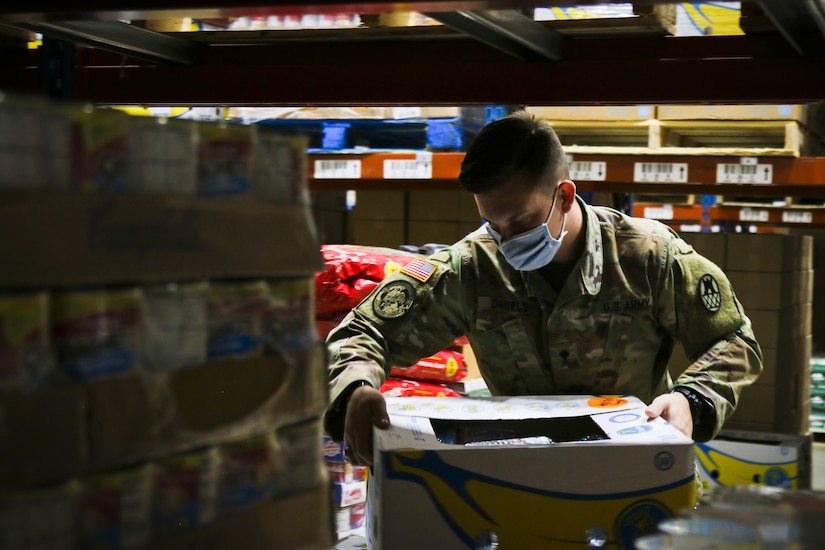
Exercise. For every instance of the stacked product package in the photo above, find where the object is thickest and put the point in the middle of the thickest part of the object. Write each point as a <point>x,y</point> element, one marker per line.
<point>817,420</point>
<point>349,489</point>
<point>161,378</point>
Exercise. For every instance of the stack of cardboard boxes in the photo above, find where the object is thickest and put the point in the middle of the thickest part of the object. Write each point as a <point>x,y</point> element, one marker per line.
<point>392,218</point>
<point>120,444</point>
<point>772,276</point>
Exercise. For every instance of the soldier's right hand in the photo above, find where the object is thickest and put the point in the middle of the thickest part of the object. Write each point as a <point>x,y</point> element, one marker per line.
<point>366,408</point>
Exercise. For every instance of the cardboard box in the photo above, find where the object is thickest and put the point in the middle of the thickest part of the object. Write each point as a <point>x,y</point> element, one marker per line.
<point>713,246</point>
<point>595,112</point>
<point>423,232</point>
<point>775,327</point>
<point>733,112</point>
<point>135,417</point>
<point>52,435</point>
<point>380,205</point>
<point>42,437</point>
<point>531,496</point>
<point>441,206</point>
<point>59,240</point>
<point>755,458</point>
<point>387,233</point>
<point>348,493</point>
<point>303,520</point>
<point>783,407</point>
<point>769,252</point>
<point>771,291</point>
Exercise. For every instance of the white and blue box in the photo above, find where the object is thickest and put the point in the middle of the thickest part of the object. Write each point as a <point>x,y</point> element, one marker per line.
<point>736,457</point>
<point>529,472</point>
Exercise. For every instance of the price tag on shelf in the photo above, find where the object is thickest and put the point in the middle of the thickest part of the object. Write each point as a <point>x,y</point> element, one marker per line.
<point>416,169</point>
<point>744,173</point>
<point>666,172</point>
<point>664,212</point>
<point>750,215</point>
<point>588,171</point>
<point>797,216</point>
<point>337,169</point>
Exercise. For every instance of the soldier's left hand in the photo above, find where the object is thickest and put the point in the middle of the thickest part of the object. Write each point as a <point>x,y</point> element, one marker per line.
<point>674,408</point>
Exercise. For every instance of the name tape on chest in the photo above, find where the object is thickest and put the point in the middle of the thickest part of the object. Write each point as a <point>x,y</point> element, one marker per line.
<point>420,269</point>
<point>626,305</point>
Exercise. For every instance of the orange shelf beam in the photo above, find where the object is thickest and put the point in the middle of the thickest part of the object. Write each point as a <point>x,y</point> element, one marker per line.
<point>789,176</point>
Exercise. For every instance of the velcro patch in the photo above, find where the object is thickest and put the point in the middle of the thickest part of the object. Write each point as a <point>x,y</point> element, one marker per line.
<point>420,269</point>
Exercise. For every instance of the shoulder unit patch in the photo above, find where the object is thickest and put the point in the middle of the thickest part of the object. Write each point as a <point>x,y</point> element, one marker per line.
<point>394,300</point>
<point>710,293</point>
<point>420,269</point>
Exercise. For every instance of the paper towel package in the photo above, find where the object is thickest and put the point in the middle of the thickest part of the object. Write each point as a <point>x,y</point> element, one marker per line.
<point>525,472</point>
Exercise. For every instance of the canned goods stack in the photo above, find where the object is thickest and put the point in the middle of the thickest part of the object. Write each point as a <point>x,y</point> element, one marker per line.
<point>161,379</point>
<point>349,489</point>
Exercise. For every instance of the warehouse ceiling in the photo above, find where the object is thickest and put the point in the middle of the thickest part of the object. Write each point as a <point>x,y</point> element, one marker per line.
<point>484,52</point>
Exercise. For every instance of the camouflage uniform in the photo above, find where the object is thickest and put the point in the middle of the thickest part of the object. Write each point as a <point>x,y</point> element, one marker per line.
<point>610,330</point>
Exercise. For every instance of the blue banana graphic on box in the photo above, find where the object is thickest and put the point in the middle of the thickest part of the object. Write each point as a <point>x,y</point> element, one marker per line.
<point>471,503</point>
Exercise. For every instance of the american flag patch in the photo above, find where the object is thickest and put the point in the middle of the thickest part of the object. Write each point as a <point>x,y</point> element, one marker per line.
<point>420,269</point>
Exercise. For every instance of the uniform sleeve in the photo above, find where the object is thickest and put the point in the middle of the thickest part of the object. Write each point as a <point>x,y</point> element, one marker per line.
<point>698,306</point>
<point>413,313</point>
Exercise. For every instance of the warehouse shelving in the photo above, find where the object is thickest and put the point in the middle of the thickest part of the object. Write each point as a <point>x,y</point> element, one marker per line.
<point>366,66</point>
<point>788,175</point>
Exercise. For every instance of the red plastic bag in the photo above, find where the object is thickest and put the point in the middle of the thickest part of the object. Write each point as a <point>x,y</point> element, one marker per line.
<point>444,366</point>
<point>353,271</point>
<point>411,388</point>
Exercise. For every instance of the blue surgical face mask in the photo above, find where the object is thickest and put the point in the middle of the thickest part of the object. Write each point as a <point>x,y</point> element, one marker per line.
<point>532,249</point>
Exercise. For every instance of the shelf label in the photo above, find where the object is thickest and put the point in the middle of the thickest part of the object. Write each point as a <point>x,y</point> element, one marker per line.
<point>588,171</point>
<point>676,172</point>
<point>797,216</point>
<point>744,173</point>
<point>750,215</point>
<point>337,169</point>
<point>664,212</point>
<point>415,169</point>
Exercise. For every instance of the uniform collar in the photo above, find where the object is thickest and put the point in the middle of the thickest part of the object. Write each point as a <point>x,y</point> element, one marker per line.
<point>592,260</point>
<point>586,276</point>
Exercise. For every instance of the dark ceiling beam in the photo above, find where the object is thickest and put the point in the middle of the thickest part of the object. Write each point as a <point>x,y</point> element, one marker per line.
<point>120,38</point>
<point>507,30</point>
<point>801,22</point>
<point>798,80</point>
<point>725,69</point>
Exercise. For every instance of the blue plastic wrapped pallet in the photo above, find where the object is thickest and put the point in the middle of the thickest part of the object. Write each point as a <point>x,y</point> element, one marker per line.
<point>342,134</point>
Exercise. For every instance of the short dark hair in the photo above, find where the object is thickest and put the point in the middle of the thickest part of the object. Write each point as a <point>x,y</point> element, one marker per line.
<point>518,144</point>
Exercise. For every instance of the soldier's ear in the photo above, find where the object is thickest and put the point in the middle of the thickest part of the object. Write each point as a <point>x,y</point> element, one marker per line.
<point>566,195</point>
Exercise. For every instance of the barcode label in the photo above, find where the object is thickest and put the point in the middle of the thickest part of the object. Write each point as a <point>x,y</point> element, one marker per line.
<point>744,173</point>
<point>794,216</point>
<point>664,212</point>
<point>676,172</point>
<point>337,169</point>
<point>750,215</point>
<point>418,169</point>
<point>588,171</point>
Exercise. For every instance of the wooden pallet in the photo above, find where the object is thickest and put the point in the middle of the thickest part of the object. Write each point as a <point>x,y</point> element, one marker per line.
<point>689,137</point>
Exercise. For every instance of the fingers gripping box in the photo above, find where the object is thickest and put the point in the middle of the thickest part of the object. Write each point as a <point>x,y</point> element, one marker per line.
<point>527,472</point>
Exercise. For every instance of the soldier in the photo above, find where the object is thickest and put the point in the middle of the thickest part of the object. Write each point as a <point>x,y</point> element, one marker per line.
<point>555,297</point>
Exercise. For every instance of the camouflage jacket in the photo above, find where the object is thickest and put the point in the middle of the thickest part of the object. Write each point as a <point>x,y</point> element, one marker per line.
<point>610,330</point>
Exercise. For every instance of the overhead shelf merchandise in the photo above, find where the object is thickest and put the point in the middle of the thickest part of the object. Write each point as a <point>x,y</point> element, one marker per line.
<point>774,48</point>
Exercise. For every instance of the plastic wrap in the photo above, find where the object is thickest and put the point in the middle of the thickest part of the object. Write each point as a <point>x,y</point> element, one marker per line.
<point>444,366</point>
<point>411,388</point>
<point>351,272</point>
